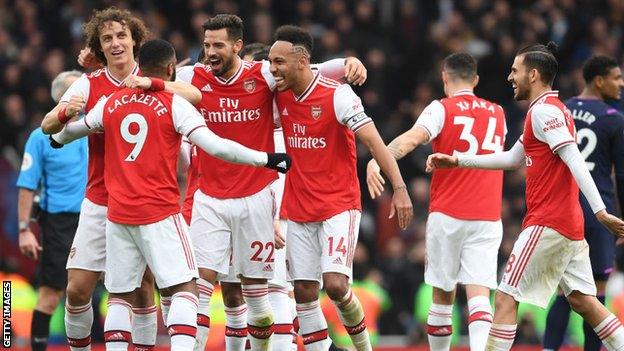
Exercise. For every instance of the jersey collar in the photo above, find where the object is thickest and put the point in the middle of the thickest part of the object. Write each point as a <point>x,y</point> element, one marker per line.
<point>233,78</point>
<point>118,82</point>
<point>464,92</point>
<point>544,95</point>
<point>309,89</point>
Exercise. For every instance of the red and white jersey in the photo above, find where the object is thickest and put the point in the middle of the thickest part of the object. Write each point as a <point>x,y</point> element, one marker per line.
<point>319,131</point>
<point>95,86</point>
<point>143,134</point>
<point>240,109</point>
<point>192,182</point>
<point>465,124</point>
<point>552,194</point>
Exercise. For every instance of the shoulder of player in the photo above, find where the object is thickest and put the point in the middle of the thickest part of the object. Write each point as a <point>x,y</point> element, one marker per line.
<point>329,83</point>
<point>97,73</point>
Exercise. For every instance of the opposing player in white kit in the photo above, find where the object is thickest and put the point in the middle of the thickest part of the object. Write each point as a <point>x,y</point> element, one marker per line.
<point>114,36</point>
<point>464,228</point>
<point>232,222</point>
<point>551,250</point>
<point>145,228</point>
<point>320,119</point>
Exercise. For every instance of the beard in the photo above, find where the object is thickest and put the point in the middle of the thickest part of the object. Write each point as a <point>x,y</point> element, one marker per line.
<point>522,90</point>
<point>226,65</point>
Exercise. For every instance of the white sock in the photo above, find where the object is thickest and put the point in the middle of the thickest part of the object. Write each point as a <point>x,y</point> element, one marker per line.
<point>283,328</point>
<point>611,332</point>
<point>259,315</point>
<point>313,326</point>
<point>118,325</point>
<point>352,317</point>
<point>165,303</point>
<point>439,327</point>
<point>144,328</point>
<point>182,321</point>
<point>295,323</point>
<point>479,321</point>
<point>203,313</point>
<point>501,337</point>
<point>78,322</point>
<point>235,328</point>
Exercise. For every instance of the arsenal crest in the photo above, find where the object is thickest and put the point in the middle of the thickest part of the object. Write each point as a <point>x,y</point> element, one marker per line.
<point>316,112</point>
<point>249,85</point>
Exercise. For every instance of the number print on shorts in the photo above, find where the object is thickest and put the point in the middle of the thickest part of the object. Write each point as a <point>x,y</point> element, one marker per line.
<point>138,137</point>
<point>259,247</point>
<point>339,248</point>
<point>510,262</point>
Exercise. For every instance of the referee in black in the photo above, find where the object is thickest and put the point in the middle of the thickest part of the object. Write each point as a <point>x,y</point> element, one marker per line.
<point>60,179</point>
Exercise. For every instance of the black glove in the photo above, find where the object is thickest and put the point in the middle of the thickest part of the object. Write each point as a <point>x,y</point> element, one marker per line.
<point>55,144</point>
<point>279,161</point>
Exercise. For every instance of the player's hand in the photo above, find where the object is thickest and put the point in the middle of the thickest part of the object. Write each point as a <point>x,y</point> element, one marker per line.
<point>355,72</point>
<point>374,180</point>
<point>613,223</point>
<point>137,82</point>
<point>88,60</point>
<point>75,105</point>
<point>439,160</point>
<point>402,205</point>
<point>280,241</point>
<point>280,162</point>
<point>29,245</point>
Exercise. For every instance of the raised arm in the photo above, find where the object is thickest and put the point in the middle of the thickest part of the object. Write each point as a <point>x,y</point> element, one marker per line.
<point>91,123</point>
<point>348,70</point>
<point>185,90</point>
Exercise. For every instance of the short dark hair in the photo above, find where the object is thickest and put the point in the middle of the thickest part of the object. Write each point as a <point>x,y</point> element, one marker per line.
<point>295,35</point>
<point>258,51</point>
<point>598,65</point>
<point>154,56</point>
<point>542,58</point>
<point>126,18</point>
<point>232,23</point>
<point>461,65</point>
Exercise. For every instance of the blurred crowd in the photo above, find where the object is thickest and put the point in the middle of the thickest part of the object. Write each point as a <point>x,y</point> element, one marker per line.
<point>401,42</point>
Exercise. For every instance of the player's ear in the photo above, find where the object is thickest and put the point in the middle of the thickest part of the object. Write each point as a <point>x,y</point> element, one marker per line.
<point>599,81</point>
<point>238,46</point>
<point>533,75</point>
<point>475,80</point>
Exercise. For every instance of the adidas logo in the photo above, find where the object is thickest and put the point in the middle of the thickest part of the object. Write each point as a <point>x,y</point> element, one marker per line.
<point>282,165</point>
<point>337,261</point>
<point>267,268</point>
<point>206,88</point>
<point>285,112</point>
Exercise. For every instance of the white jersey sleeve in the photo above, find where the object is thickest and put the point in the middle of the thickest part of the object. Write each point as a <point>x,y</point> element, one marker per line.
<point>432,119</point>
<point>266,73</point>
<point>348,108</point>
<point>185,74</point>
<point>80,86</point>
<point>333,69</point>
<point>549,126</point>
<point>95,118</point>
<point>186,118</point>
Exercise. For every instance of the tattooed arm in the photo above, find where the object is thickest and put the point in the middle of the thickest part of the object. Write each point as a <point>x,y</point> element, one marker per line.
<point>399,147</point>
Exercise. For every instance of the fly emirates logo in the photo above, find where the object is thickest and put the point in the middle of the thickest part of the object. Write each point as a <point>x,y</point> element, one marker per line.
<point>301,141</point>
<point>229,112</point>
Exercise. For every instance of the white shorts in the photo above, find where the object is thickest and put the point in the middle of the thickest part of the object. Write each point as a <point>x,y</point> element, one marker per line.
<point>461,251</point>
<point>281,276</point>
<point>234,231</point>
<point>543,259</point>
<point>315,248</point>
<point>88,250</point>
<point>165,247</point>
